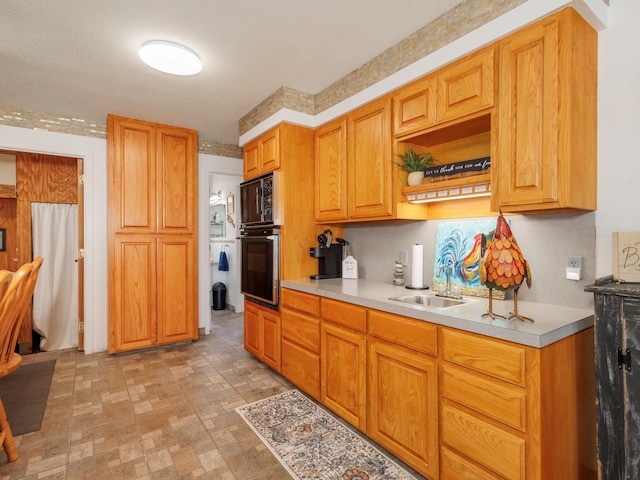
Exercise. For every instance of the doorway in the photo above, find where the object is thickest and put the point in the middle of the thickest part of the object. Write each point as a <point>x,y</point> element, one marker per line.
<point>46,179</point>
<point>224,250</point>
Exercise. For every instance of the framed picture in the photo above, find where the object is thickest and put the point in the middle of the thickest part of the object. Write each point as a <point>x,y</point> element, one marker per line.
<point>3,239</point>
<point>231,207</point>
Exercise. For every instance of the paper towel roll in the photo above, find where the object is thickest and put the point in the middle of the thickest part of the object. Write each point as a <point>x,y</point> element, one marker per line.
<point>417,266</point>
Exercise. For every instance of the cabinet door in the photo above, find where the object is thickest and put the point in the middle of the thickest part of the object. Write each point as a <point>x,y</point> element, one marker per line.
<point>528,116</point>
<point>177,284</point>
<point>617,326</point>
<point>132,175</point>
<point>270,338</point>
<point>132,296</point>
<point>403,404</point>
<point>251,163</point>
<point>177,180</point>
<point>369,161</point>
<point>631,342</point>
<point>414,107</point>
<point>251,328</point>
<point>331,171</point>
<point>343,373</point>
<point>466,86</point>
<point>269,155</point>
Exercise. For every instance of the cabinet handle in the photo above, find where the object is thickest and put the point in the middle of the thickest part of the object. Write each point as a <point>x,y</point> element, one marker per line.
<point>624,360</point>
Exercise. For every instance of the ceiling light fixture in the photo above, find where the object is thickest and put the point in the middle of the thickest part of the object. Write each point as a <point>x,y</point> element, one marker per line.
<point>169,57</point>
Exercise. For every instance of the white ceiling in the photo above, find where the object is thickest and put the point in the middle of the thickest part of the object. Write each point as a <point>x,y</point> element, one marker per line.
<point>78,58</point>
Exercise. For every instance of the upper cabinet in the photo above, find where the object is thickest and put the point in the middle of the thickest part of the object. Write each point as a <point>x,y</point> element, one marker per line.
<point>466,86</point>
<point>414,107</point>
<point>262,155</point>
<point>460,89</point>
<point>153,177</point>
<point>355,175</point>
<point>369,161</point>
<point>331,171</point>
<point>546,122</point>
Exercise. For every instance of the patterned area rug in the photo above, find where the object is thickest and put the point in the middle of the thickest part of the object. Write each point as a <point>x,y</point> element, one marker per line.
<point>313,444</point>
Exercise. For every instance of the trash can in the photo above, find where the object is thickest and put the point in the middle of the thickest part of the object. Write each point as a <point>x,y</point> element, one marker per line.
<point>219,296</point>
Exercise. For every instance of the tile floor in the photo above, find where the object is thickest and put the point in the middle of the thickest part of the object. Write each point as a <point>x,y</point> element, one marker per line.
<point>157,414</point>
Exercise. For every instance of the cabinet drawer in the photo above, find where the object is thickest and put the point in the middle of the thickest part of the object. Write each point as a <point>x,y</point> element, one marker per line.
<point>499,359</point>
<point>301,368</point>
<point>301,329</point>
<point>304,302</point>
<point>351,316</point>
<point>456,467</point>
<point>501,401</point>
<point>410,333</point>
<point>496,449</point>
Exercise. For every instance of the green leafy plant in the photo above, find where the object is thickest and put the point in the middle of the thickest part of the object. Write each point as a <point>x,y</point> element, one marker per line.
<point>413,161</point>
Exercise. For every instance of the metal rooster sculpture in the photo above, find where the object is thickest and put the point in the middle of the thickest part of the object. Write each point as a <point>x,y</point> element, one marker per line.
<point>504,268</point>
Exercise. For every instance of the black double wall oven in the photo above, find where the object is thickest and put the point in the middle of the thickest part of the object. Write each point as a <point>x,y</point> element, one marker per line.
<point>260,221</point>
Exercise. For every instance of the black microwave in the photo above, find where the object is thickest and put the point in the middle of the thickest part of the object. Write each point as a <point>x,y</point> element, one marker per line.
<point>260,202</point>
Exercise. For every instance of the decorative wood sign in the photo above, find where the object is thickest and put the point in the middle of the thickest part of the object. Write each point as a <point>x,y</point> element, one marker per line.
<point>626,257</point>
<point>476,165</point>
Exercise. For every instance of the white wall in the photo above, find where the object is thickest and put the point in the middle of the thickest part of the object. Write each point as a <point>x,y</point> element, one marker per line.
<point>618,129</point>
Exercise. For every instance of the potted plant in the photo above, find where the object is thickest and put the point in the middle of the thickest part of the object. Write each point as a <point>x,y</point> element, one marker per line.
<point>415,163</point>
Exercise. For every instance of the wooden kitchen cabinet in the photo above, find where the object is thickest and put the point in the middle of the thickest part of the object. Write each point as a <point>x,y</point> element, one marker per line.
<point>617,345</point>
<point>451,404</point>
<point>343,361</point>
<point>369,161</point>
<point>455,91</point>
<point>152,228</point>
<point>546,133</point>
<point>331,172</point>
<point>414,107</point>
<point>466,86</point>
<point>262,335</point>
<point>300,328</point>
<point>510,411</point>
<point>402,413</point>
<point>356,179</point>
<point>263,154</point>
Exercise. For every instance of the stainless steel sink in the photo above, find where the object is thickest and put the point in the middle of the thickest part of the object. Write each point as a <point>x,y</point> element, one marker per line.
<point>429,301</point>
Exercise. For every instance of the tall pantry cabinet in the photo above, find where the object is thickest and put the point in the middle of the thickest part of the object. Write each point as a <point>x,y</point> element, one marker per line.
<point>152,230</point>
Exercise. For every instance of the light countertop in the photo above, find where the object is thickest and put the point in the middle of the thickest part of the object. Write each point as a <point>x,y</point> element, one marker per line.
<point>551,322</point>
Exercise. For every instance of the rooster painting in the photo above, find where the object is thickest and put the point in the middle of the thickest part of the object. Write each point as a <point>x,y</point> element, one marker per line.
<point>503,267</point>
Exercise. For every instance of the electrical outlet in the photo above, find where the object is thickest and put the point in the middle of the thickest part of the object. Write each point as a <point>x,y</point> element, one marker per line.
<point>404,257</point>
<point>574,268</point>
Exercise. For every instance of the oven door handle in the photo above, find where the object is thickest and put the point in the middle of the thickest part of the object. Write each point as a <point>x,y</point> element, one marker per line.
<point>257,237</point>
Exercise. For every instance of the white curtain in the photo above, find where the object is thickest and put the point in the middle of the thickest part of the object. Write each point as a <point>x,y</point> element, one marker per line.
<point>55,300</point>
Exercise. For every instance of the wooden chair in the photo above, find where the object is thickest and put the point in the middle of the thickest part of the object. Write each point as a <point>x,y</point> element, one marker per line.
<point>13,306</point>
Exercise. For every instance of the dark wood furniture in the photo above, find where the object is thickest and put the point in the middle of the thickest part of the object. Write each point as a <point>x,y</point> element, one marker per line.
<point>617,357</point>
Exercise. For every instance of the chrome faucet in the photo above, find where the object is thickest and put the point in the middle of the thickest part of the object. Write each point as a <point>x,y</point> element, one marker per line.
<point>447,291</point>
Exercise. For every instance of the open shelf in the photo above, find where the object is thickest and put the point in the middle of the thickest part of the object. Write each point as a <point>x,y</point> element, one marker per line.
<point>455,188</point>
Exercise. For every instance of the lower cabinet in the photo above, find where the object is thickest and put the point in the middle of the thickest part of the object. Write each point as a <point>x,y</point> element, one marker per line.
<point>262,333</point>
<point>509,411</point>
<point>343,361</point>
<point>452,405</point>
